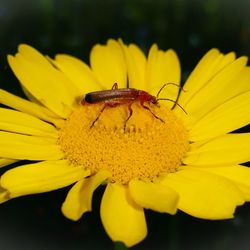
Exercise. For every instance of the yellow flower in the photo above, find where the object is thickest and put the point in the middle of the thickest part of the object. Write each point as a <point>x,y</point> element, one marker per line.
<point>160,158</point>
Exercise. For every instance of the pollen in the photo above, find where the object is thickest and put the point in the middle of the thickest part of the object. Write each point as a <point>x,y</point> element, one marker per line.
<point>146,148</point>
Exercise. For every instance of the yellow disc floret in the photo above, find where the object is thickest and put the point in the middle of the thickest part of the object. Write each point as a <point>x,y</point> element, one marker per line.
<point>147,147</point>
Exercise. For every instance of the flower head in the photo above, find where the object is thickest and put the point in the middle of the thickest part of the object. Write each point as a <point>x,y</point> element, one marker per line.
<point>162,151</point>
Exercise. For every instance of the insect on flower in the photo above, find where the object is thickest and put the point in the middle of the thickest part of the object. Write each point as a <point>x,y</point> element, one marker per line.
<point>115,96</point>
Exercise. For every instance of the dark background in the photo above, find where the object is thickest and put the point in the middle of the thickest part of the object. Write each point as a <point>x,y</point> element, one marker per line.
<point>73,27</point>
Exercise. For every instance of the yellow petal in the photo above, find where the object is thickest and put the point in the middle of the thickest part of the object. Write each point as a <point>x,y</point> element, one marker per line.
<point>4,195</point>
<point>64,87</point>
<point>20,139</point>
<point>15,121</point>
<point>108,64</point>
<point>136,62</point>
<point>47,84</point>
<point>30,152</point>
<point>205,195</point>
<point>223,150</point>
<point>122,219</point>
<point>5,162</point>
<point>22,147</point>
<point>79,198</point>
<point>33,99</point>
<point>28,107</point>
<point>220,88</point>
<point>41,177</point>
<point>33,55</point>
<point>163,67</point>
<point>237,173</point>
<point>78,72</point>
<point>229,116</point>
<point>240,175</point>
<point>211,63</point>
<point>151,60</point>
<point>154,196</point>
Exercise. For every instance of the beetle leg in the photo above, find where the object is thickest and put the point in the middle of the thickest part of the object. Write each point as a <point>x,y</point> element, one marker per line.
<point>97,118</point>
<point>129,116</point>
<point>115,86</point>
<point>142,104</point>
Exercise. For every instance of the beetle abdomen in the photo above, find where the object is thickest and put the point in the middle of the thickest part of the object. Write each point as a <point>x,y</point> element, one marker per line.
<point>101,96</point>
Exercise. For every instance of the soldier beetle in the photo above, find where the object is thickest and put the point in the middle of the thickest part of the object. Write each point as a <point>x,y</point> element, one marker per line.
<point>116,96</point>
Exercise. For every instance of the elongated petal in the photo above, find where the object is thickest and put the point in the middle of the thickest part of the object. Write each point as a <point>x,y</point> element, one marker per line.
<point>43,81</point>
<point>220,88</point>
<point>208,67</point>
<point>122,219</point>
<point>108,64</point>
<point>33,140</point>
<point>33,55</point>
<point>237,173</point>
<point>229,116</point>
<point>224,150</point>
<point>136,63</point>
<point>30,152</point>
<point>240,175</point>
<point>163,67</point>
<point>64,87</point>
<point>4,195</point>
<point>205,195</point>
<point>15,121</point>
<point>22,147</point>
<point>28,107</point>
<point>154,196</point>
<point>41,177</point>
<point>5,162</point>
<point>78,72</point>
<point>79,198</point>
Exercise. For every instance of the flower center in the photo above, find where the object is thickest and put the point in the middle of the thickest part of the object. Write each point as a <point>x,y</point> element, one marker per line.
<point>147,148</point>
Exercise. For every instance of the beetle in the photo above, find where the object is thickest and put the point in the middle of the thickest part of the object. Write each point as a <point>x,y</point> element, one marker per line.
<point>116,96</point>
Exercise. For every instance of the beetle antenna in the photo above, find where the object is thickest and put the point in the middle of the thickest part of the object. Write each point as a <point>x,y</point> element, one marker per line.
<point>169,83</point>
<point>175,103</point>
<point>160,90</point>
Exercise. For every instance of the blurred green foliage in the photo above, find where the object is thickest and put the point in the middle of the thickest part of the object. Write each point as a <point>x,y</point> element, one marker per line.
<point>73,26</point>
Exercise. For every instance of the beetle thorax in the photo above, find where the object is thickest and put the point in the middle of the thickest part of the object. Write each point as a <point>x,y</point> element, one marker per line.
<point>146,97</point>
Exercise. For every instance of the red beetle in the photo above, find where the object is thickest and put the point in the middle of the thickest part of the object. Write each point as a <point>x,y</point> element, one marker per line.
<point>115,96</point>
